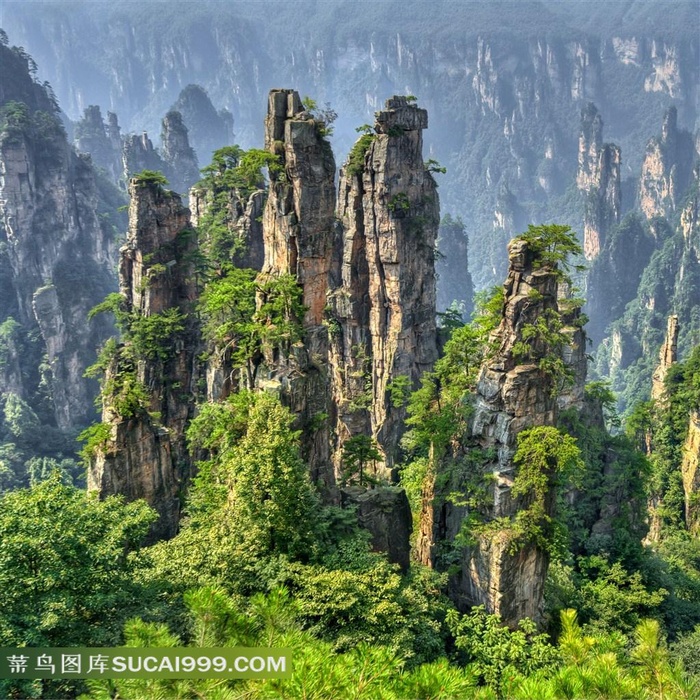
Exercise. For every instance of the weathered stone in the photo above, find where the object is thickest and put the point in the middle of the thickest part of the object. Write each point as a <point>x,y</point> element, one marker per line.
<point>386,514</point>
<point>598,179</point>
<point>513,394</point>
<point>667,356</point>
<point>146,456</point>
<point>178,155</point>
<point>667,169</point>
<point>382,311</point>
<point>59,260</point>
<point>690,469</point>
<point>299,232</point>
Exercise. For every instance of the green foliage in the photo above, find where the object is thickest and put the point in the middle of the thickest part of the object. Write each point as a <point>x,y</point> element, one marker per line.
<point>545,458</point>
<point>64,566</point>
<point>399,389</point>
<point>9,335</point>
<point>358,452</point>
<point>152,336</point>
<point>552,245</point>
<point>95,437</point>
<point>356,157</point>
<point>398,203</point>
<point>432,166</point>
<point>325,116</point>
<point>149,178</point>
<point>492,652</point>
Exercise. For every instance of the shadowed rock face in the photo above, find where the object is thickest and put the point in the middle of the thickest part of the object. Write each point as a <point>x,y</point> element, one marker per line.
<point>667,169</point>
<point>298,235</point>
<point>57,254</point>
<point>383,308</point>
<point>179,156</point>
<point>386,514</point>
<point>598,178</point>
<point>146,455</point>
<point>512,395</point>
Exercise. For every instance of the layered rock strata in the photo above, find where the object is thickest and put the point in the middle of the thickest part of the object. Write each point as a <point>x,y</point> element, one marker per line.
<point>146,454</point>
<point>513,393</point>
<point>382,313</point>
<point>598,179</point>
<point>299,231</point>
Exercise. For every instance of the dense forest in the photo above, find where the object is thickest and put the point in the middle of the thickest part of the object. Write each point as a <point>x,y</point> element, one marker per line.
<point>309,432</point>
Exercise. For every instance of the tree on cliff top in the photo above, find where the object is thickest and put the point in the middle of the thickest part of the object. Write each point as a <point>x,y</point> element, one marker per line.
<point>552,245</point>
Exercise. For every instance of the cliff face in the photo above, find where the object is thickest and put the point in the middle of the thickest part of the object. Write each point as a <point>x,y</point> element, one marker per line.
<point>598,179</point>
<point>298,231</point>
<point>505,96</point>
<point>510,398</point>
<point>58,251</point>
<point>383,311</point>
<point>139,154</point>
<point>179,157</point>
<point>667,169</point>
<point>513,393</point>
<point>103,143</point>
<point>452,268</point>
<point>667,356</point>
<point>690,469</point>
<point>149,388</point>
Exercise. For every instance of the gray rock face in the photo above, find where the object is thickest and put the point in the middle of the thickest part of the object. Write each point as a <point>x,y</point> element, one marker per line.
<point>386,514</point>
<point>667,169</point>
<point>513,394</point>
<point>383,307</point>
<point>598,179</point>
<point>179,156</point>
<point>103,143</point>
<point>139,154</point>
<point>298,232</point>
<point>146,456</point>
<point>59,255</point>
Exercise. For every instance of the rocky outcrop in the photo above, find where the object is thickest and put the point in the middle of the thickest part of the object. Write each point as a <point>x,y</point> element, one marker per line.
<point>690,469</point>
<point>298,231</point>
<point>452,266</point>
<point>146,455</point>
<point>101,142</point>
<point>615,274</point>
<point>382,313</point>
<point>598,179</point>
<point>386,514</point>
<point>139,154</point>
<point>667,169</point>
<point>208,129</point>
<point>243,218</point>
<point>179,157</point>
<point>58,252</point>
<point>667,356</point>
<point>513,393</point>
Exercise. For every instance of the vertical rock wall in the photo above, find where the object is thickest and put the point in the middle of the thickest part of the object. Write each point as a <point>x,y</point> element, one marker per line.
<point>146,456</point>
<point>298,232</point>
<point>384,306</point>
<point>513,394</point>
<point>667,169</point>
<point>598,178</point>
<point>59,254</point>
<point>667,356</point>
